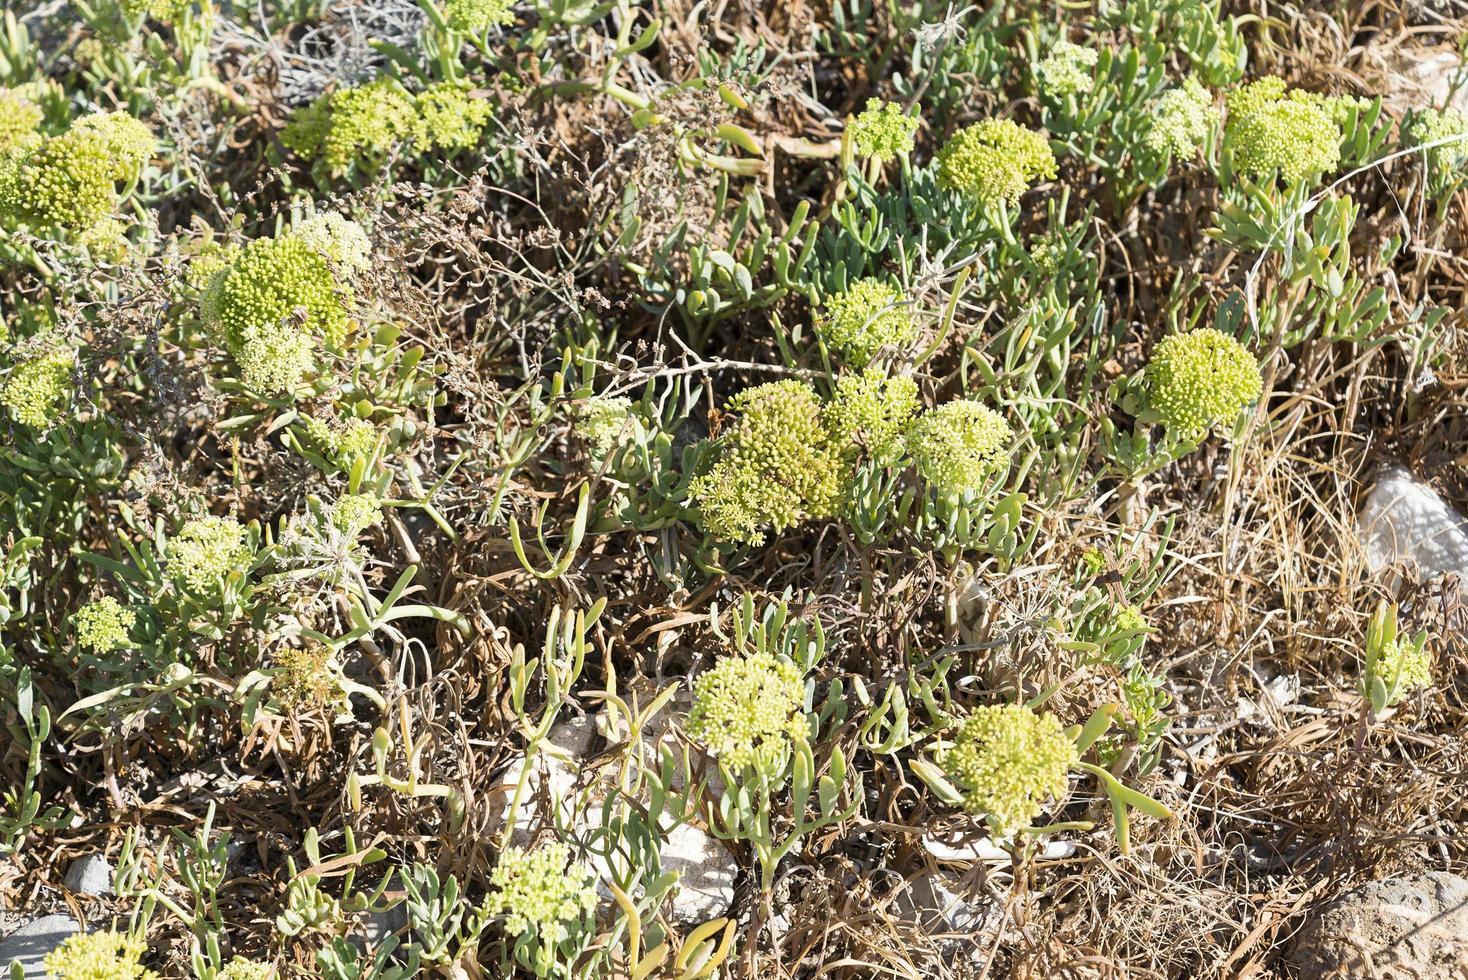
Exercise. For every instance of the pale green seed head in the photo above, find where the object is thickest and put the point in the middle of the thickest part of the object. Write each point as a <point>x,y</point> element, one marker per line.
<point>1069,69</point>
<point>1007,761</point>
<point>39,387</point>
<point>995,161</point>
<point>958,446</point>
<point>1270,130</point>
<point>869,316</point>
<point>540,890</point>
<point>1200,379</point>
<point>207,549</point>
<point>883,131</point>
<point>103,625</point>
<point>747,711</point>
<point>98,956</point>
<point>870,414</point>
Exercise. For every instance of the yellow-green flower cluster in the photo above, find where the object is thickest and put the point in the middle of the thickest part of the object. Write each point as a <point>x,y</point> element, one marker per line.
<point>19,117</point>
<point>883,131</point>
<point>163,11</point>
<point>129,141</point>
<point>606,423</point>
<point>867,317</point>
<point>477,16</point>
<point>271,306</point>
<point>344,242</point>
<point>350,125</point>
<point>305,678</point>
<point>68,183</point>
<point>360,125</point>
<point>1007,760</point>
<point>540,891</point>
<point>240,968</point>
<point>995,161</point>
<point>1180,120</point>
<point>1069,69</point>
<point>1198,379</point>
<point>343,443</point>
<point>1274,130</point>
<point>1128,619</point>
<point>103,625</point>
<point>870,414</point>
<point>1428,126</point>
<point>354,513</point>
<point>958,445</point>
<point>1403,667</point>
<point>98,956</point>
<point>207,549</point>
<point>448,119</point>
<point>39,384</point>
<point>776,467</point>
<point>748,710</point>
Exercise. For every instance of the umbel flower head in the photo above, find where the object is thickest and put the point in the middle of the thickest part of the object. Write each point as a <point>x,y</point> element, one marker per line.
<point>240,968</point>
<point>1007,760</point>
<point>129,141</point>
<point>354,513</point>
<point>269,307</point>
<point>307,679</point>
<point>870,414</point>
<point>606,423</point>
<point>883,131</point>
<point>19,117</point>
<point>207,549</point>
<point>341,240</point>
<point>540,891</point>
<point>1424,127</point>
<point>1271,130</point>
<point>1069,69</point>
<point>1198,379</point>
<point>995,161</point>
<point>775,468</point>
<point>959,445</point>
<point>39,385</point>
<point>1403,667</point>
<point>163,11</point>
<point>478,16</point>
<point>867,317</point>
<point>1180,120</point>
<point>448,119</point>
<point>103,624</point>
<point>747,711</point>
<point>98,956</point>
<point>352,125</point>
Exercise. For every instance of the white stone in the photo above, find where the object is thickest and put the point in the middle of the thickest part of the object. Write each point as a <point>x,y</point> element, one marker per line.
<point>984,849</point>
<point>29,944</point>
<point>1404,521</point>
<point>89,875</point>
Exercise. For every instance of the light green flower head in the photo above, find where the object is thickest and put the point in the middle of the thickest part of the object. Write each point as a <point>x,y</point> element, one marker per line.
<point>269,307</point>
<point>1007,761</point>
<point>870,414</point>
<point>995,161</point>
<point>207,549</point>
<point>776,467</point>
<point>748,710</point>
<point>869,316</point>
<point>240,968</point>
<point>103,624</point>
<point>38,387</point>
<point>1180,120</point>
<point>356,512</point>
<point>607,423</point>
<point>352,125</point>
<point>1069,69</point>
<point>958,446</point>
<point>883,131</point>
<point>1403,668</point>
<point>540,891</point>
<point>65,182</point>
<point>19,117</point>
<point>1128,619</point>
<point>129,142</point>
<point>1270,130</point>
<point>1425,127</point>
<point>448,119</point>
<point>1200,379</point>
<point>478,16</point>
<point>163,11</point>
<point>98,956</point>
<point>341,240</point>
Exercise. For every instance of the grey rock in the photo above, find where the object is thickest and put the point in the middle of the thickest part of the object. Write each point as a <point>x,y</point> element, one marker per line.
<point>1406,928</point>
<point>89,875</point>
<point>1404,522</point>
<point>706,873</point>
<point>31,942</point>
<point>378,926</point>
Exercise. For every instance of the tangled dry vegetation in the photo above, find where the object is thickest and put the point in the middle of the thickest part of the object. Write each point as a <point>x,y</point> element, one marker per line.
<point>649,489</point>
